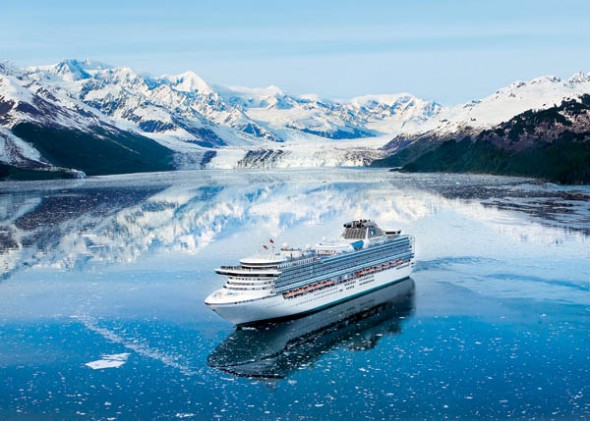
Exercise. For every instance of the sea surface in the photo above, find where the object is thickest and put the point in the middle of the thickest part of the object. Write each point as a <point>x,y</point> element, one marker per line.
<point>103,281</point>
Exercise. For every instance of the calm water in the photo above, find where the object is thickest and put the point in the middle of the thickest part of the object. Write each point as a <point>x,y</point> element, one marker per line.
<point>103,280</point>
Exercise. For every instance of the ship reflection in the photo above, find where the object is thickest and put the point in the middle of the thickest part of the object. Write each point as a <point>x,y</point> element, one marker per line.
<point>274,351</point>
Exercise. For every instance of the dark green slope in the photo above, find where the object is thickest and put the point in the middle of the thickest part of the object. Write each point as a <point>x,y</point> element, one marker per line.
<point>408,153</point>
<point>97,153</point>
<point>565,161</point>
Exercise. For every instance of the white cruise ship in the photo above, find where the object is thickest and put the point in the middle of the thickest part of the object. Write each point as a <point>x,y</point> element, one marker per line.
<point>298,281</point>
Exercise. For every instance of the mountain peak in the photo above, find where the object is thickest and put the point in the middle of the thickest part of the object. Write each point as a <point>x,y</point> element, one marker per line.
<point>579,77</point>
<point>74,69</point>
<point>385,99</point>
<point>189,82</point>
<point>545,79</point>
<point>124,75</point>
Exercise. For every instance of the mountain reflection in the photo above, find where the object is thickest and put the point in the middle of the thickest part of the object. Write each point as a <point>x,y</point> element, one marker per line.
<point>274,351</point>
<point>73,224</point>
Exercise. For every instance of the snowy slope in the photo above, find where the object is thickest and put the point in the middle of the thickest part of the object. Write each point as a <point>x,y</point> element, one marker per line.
<point>536,94</point>
<point>391,114</point>
<point>33,112</point>
<point>23,100</point>
<point>180,106</point>
<point>371,115</point>
<point>287,115</point>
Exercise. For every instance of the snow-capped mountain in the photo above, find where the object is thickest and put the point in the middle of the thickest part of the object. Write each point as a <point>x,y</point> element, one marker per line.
<point>181,106</point>
<point>43,127</point>
<point>551,143</point>
<point>540,93</point>
<point>182,121</point>
<point>477,115</point>
<point>185,107</point>
<point>474,120</point>
<point>366,116</point>
<point>229,127</point>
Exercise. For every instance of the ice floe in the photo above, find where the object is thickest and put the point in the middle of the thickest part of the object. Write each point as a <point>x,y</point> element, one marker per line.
<point>109,361</point>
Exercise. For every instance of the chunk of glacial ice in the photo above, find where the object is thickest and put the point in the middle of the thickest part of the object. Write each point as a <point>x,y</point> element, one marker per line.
<point>109,361</point>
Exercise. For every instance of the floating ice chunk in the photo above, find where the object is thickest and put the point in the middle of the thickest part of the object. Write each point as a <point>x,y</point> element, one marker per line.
<point>109,361</point>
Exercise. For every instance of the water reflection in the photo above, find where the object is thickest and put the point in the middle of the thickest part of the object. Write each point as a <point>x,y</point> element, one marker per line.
<point>71,225</point>
<point>277,350</point>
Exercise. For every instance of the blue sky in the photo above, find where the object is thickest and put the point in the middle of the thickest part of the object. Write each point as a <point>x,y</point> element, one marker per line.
<point>447,50</point>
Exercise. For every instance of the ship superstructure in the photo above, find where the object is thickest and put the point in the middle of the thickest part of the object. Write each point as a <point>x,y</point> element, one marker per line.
<point>296,281</point>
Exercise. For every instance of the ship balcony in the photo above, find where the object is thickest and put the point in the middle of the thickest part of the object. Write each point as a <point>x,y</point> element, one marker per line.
<point>243,284</point>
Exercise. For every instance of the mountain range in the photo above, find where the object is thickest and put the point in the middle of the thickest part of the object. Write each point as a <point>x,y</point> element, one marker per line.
<point>80,117</point>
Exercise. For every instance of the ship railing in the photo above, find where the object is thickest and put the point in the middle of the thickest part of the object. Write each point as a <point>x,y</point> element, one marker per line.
<point>312,257</point>
<point>247,269</point>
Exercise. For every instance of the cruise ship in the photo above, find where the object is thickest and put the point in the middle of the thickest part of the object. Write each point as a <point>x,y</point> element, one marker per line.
<point>294,281</point>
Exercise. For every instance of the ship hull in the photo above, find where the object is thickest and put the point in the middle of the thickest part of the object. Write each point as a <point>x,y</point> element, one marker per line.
<point>278,307</point>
